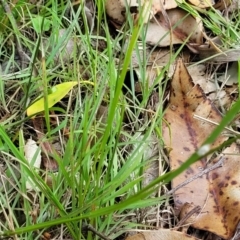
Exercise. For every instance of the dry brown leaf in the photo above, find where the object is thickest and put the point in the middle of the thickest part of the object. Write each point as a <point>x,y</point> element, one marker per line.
<point>223,4</point>
<point>221,99</point>
<point>30,150</point>
<point>202,3</point>
<point>198,76</point>
<point>183,25</point>
<point>187,99</point>
<point>221,211</point>
<point>184,135</point>
<point>116,9</point>
<point>218,192</point>
<point>234,5</point>
<point>162,234</point>
<point>231,75</point>
<point>157,60</point>
<point>47,148</point>
<point>213,50</point>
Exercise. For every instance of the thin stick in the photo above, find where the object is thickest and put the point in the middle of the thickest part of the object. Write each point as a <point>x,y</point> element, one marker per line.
<point>214,123</point>
<point>89,227</point>
<point>205,171</point>
<point>196,209</point>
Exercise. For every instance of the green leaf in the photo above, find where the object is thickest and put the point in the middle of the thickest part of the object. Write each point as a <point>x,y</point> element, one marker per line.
<point>58,92</point>
<point>37,24</point>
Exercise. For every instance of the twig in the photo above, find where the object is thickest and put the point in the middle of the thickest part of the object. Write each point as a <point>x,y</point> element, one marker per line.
<point>196,209</point>
<point>90,228</point>
<point>205,171</point>
<point>215,124</point>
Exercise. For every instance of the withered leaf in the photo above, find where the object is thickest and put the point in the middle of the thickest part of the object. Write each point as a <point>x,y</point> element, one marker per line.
<point>161,234</point>
<point>117,9</point>
<point>222,4</point>
<point>183,135</point>
<point>222,206</point>
<point>220,212</point>
<point>30,150</point>
<point>47,148</point>
<point>202,3</point>
<point>182,26</point>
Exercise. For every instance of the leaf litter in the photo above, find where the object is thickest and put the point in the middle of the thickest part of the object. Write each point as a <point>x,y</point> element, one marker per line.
<point>166,234</point>
<point>218,191</point>
<point>33,156</point>
<point>192,96</point>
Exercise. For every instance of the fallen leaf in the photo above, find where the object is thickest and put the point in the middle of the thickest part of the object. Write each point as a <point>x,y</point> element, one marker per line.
<point>223,4</point>
<point>187,99</point>
<point>213,50</point>
<point>202,3</point>
<point>46,236</point>
<point>221,99</point>
<point>187,215</point>
<point>182,26</point>
<point>231,75</point>
<point>48,149</point>
<point>161,234</point>
<point>58,92</point>
<point>197,73</point>
<point>220,213</point>
<point>33,156</point>
<point>117,9</point>
<point>234,5</point>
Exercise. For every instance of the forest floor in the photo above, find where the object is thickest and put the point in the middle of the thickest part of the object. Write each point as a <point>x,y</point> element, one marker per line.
<point>119,121</point>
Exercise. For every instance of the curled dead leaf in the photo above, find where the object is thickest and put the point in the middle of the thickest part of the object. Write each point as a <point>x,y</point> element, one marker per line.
<point>213,50</point>
<point>223,4</point>
<point>33,156</point>
<point>183,26</point>
<point>161,234</point>
<point>202,3</point>
<point>116,9</point>
<point>230,76</point>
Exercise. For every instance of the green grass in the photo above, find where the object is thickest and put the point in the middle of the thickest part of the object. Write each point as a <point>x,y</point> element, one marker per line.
<point>103,156</point>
